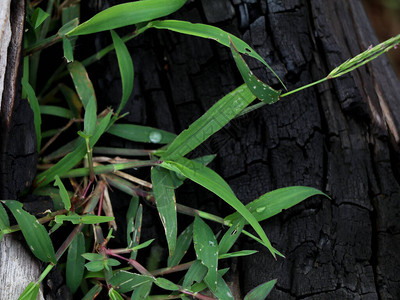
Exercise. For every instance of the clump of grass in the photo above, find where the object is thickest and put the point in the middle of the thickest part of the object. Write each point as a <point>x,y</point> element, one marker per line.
<point>77,166</point>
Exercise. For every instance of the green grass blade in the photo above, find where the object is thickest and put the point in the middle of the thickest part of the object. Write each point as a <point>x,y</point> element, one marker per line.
<point>4,221</point>
<point>209,123</point>
<point>214,183</point>
<point>125,282</point>
<point>142,134</point>
<point>82,83</point>
<point>182,245</point>
<point>31,292</point>
<point>34,104</point>
<point>206,247</point>
<point>114,295</point>
<point>56,111</point>
<point>211,32</point>
<point>93,292</point>
<point>73,158</point>
<point>38,17</point>
<point>125,67</point>
<point>128,14</point>
<point>237,254</point>
<point>222,292</point>
<point>274,202</point>
<point>231,236</point>
<point>164,195</point>
<point>75,263</point>
<point>68,51</point>
<point>136,231</point>
<point>261,90</point>
<point>63,192</point>
<point>196,272</point>
<point>80,172</point>
<point>261,292</point>
<point>34,233</point>
<point>90,117</point>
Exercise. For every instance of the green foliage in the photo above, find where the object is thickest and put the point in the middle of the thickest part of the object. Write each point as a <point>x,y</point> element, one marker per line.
<point>89,204</point>
<point>34,233</point>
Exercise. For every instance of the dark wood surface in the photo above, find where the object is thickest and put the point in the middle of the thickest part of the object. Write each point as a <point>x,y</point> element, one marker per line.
<point>340,137</point>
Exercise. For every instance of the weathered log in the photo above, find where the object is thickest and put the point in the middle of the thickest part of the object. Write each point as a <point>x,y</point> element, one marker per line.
<point>341,137</point>
<point>18,267</point>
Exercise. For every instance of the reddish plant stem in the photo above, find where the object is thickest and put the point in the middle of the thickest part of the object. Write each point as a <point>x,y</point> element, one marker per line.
<point>142,270</point>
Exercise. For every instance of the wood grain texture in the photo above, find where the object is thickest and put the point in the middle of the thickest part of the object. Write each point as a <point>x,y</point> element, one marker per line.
<point>17,268</point>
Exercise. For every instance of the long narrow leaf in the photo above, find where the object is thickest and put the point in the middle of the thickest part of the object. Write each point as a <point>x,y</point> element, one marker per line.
<point>182,245</point>
<point>125,68</point>
<point>231,236</point>
<point>90,116</point>
<point>82,83</point>
<point>75,262</point>
<point>31,292</point>
<point>63,192</point>
<point>143,134</point>
<point>34,104</point>
<point>34,233</point>
<point>56,111</point>
<point>128,14</point>
<point>260,89</point>
<point>209,123</point>
<point>274,202</point>
<point>260,292</point>
<point>4,221</point>
<point>213,182</point>
<point>206,247</point>
<point>164,194</point>
<point>211,32</point>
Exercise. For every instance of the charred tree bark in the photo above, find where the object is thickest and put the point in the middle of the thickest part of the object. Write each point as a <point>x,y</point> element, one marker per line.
<point>18,155</point>
<point>341,137</point>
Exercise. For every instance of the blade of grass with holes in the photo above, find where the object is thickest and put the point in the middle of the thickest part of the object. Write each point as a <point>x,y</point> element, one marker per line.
<point>164,194</point>
<point>73,158</point>
<point>261,90</point>
<point>209,123</point>
<point>125,67</point>
<point>206,247</point>
<point>211,32</point>
<point>214,183</point>
<point>230,237</point>
<point>128,14</point>
<point>34,233</point>
<point>274,202</point>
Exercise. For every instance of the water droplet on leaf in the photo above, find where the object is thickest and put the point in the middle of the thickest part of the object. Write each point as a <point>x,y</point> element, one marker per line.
<point>260,209</point>
<point>155,137</point>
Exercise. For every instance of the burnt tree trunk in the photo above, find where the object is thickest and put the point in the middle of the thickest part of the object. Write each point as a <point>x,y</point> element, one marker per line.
<point>18,154</point>
<point>341,137</point>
